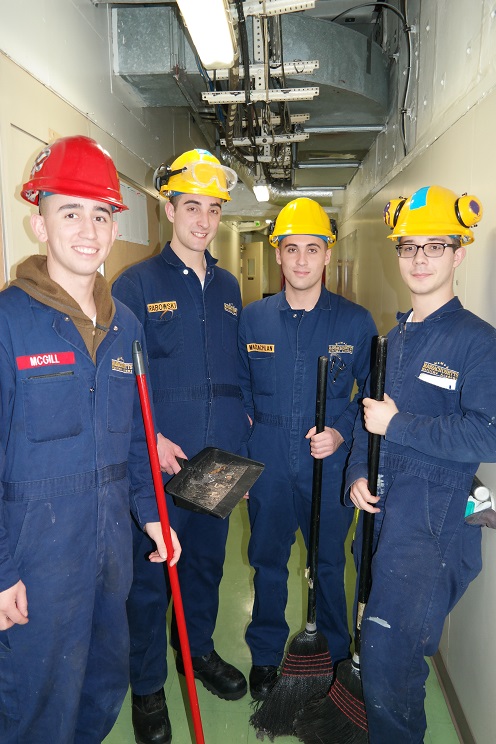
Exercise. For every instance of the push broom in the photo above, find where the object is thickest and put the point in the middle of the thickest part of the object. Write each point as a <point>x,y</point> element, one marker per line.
<point>151,440</point>
<point>340,717</point>
<point>307,669</point>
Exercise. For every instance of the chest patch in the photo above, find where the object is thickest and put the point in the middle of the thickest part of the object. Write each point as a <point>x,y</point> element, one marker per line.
<point>162,307</point>
<point>341,347</point>
<point>268,348</point>
<point>439,374</point>
<point>119,365</point>
<point>50,359</point>
<point>230,308</point>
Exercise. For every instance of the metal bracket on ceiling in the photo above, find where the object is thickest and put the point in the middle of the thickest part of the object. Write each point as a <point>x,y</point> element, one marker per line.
<point>282,94</point>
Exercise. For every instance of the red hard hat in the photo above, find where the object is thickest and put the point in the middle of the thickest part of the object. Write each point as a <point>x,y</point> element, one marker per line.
<point>75,166</point>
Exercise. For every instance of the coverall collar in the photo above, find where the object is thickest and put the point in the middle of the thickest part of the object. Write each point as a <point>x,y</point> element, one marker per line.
<point>449,307</point>
<point>173,259</point>
<point>323,303</point>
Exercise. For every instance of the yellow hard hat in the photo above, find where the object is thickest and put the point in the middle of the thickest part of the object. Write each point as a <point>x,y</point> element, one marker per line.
<point>433,210</point>
<point>303,216</point>
<point>195,172</point>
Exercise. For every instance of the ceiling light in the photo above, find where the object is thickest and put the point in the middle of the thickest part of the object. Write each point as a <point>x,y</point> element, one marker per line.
<point>261,191</point>
<point>210,27</point>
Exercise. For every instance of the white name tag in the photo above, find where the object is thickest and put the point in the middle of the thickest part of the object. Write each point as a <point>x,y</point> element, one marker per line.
<point>448,383</point>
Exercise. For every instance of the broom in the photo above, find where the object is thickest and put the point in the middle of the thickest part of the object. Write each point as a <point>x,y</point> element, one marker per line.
<point>151,441</point>
<point>340,717</point>
<point>307,669</point>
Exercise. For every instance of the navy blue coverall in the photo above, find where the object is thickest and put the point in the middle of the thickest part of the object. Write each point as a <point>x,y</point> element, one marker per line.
<point>191,336</point>
<point>280,348</point>
<point>440,373</point>
<point>73,449</point>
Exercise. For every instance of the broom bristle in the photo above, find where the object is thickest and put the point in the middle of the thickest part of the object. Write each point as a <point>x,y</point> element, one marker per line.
<point>340,717</point>
<point>306,672</point>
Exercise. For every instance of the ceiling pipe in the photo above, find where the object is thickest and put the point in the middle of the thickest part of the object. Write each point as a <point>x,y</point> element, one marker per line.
<point>278,195</point>
<point>351,129</point>
<point>330,164</point>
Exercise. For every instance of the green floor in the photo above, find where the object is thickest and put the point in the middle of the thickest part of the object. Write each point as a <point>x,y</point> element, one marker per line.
<point>227,722</point>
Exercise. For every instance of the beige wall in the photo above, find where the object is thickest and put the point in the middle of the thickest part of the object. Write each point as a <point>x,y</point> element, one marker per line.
<point>226,248</point>
<point>23,134</point>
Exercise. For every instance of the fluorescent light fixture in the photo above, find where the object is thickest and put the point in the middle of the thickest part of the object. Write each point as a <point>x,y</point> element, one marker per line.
<point>210,26</point>
<point>261,191</point>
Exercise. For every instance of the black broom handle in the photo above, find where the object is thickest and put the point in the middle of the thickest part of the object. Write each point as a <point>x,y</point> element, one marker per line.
<point>365,578</point>
<point>313,540</point>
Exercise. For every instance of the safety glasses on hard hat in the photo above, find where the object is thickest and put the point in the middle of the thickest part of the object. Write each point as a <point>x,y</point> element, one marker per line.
<point>205,174</point>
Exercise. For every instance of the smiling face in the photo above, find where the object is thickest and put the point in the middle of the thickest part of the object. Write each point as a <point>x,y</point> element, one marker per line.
<point>195,220</point>
<point>431,278</point>
<point>79,234</point>
<point>302,259</point>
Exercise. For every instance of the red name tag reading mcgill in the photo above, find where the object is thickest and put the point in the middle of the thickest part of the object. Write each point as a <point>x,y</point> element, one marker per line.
<point>45,360</point>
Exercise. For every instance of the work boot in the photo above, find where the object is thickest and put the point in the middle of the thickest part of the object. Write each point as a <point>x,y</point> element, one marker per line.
<point>219,677</point>
<point>151,719</point>
<point>261,680</point>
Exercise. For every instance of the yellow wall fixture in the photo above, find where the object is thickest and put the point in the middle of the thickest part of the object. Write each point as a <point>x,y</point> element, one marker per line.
<point>211,30</point>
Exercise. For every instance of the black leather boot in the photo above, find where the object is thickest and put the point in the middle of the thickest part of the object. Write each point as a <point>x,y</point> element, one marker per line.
<point>151,719</point>
<point>261,680</point>
<point>219,677</point>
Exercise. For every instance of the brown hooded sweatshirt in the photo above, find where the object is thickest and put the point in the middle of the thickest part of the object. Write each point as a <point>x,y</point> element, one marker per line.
<point>33,278</point>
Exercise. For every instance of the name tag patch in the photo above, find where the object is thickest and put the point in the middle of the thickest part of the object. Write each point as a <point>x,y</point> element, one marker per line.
<point>268,348</point>
<point>54,358</point>
<point>162,307</point>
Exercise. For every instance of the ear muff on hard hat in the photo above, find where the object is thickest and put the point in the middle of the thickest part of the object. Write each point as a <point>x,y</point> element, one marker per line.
<point>303,216</point>
<point>75,166</point>
<point>433,210</point>
<point>392,211</point>
<point>468,210</point>
<point>195,172</point>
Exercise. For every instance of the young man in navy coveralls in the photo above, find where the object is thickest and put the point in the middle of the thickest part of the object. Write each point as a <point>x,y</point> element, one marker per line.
<point>73,461</point>
<point>189,308</point>
<point>437,419</point>
<point>280,341</point>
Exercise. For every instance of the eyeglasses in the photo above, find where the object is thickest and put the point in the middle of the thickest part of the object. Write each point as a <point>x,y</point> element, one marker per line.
<point>431,250</point>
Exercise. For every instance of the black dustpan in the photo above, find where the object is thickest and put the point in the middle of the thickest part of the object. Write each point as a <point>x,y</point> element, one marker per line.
<point>213,481</point>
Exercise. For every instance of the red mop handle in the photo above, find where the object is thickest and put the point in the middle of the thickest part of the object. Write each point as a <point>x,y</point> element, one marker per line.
<point>151,440</point>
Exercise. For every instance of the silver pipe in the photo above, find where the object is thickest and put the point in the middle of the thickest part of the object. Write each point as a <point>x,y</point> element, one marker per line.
<point>339,129</point>
<point>278,195</point>
<point>331,164</point>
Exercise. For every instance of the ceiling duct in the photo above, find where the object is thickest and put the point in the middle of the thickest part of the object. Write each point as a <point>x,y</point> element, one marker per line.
<point>276,135</point>
<point>278,195</point>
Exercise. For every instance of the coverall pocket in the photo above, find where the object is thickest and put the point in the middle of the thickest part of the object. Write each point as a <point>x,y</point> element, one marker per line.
<point>165,336</point>
<point>121,392</point>
<point>427,398</point>
<point>59,394</point>
<point>229,333</point>
<point>263,374</point>
<point>9,706</point>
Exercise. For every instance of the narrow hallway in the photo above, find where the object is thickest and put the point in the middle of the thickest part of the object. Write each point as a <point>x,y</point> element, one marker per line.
<point>227,722</point>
